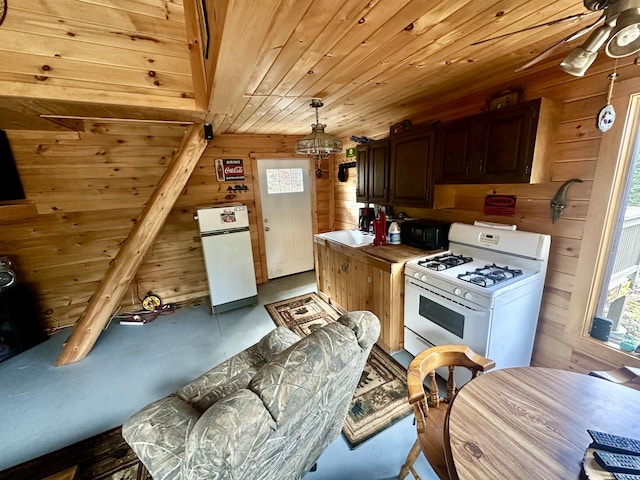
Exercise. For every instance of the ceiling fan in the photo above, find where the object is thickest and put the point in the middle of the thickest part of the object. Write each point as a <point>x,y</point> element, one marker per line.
<point>618,26</point>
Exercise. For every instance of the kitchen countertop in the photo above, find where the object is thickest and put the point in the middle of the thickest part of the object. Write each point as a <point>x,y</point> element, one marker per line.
<point>396,253</point>
<point>388,253</point>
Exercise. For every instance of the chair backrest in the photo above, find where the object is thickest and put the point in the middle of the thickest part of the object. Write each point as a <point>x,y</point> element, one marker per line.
<point>450,356</point>
<point>423,365</point>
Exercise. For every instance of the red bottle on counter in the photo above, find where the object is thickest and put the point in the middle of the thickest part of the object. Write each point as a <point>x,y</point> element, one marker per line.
<point>380,229</point>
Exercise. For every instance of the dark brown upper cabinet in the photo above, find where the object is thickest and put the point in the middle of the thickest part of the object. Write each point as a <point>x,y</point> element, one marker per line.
<point>509,145</point>
<point>412,156</point>
<point>455,150</point>
<point>373,172</point>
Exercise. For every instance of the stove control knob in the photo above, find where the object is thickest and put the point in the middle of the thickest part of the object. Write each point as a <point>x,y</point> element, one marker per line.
<point>468,296</point>
<point>416,275</point>
<point>424,278</point>
<point>457,292</point>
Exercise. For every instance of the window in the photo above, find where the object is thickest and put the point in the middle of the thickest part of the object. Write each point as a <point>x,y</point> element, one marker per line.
<point>284,180</point>
<point>620,296</point>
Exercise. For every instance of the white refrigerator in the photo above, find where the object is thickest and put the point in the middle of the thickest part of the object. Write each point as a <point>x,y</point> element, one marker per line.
<point>228,258</point>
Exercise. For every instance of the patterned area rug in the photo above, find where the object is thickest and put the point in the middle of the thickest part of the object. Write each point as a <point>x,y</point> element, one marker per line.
<point>380,399</point>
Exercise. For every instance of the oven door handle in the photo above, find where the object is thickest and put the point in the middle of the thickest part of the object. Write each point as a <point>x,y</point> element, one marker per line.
<point>454,305</point>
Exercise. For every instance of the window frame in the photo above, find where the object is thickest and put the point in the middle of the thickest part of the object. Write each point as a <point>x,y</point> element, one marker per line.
<point>615,156</point>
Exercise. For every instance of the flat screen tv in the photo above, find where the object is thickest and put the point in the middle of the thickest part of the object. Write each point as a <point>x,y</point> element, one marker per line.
<point>10,185</point>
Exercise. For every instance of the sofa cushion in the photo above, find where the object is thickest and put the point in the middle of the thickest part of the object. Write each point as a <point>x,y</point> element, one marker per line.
<point>236,372</point>
<point>293,377</point>
<point>226,436</point>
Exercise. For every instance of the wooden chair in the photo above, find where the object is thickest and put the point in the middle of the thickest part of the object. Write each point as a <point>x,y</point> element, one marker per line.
<point>431,414</point>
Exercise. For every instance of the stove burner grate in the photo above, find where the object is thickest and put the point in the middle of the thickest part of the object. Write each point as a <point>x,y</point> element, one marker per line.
<point>490,275</point>
<point>445,261</point>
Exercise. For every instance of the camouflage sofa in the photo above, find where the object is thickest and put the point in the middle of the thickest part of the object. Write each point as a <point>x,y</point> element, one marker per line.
<point>266,413</point>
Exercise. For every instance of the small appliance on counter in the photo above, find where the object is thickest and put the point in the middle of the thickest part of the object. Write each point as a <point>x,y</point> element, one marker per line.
<point>425,233</point>
<point>365,216</point>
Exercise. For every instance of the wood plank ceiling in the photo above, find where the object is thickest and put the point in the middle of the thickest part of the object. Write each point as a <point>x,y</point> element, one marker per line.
<point>372,62</point>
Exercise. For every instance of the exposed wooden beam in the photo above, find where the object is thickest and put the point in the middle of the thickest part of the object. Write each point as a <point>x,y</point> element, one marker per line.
<point>56,118</point>
<point>124,266</point>
<point>204,21</point>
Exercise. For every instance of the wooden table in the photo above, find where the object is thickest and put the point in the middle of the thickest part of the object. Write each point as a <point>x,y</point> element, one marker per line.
<point>531,423</point>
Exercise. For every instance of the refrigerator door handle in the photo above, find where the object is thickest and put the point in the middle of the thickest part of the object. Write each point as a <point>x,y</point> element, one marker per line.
<point>224,232</point>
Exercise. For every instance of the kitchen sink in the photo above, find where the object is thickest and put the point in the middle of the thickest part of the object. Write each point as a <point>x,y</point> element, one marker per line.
<point>351,238</point>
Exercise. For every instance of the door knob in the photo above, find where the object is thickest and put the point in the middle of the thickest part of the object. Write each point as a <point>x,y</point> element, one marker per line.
<point>266,229</point>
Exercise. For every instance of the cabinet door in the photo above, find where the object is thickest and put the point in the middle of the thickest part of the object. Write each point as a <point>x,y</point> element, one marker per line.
<point>339,278</point>
<point>412,169</point>
<point>358,286</point>
<point>378,156</point>
<point>323,268</point>
<point>362,169</point>
<point>455,151</point>
<point>509,142</point>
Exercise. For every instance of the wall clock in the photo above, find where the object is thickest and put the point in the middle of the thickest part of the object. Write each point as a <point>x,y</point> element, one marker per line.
<point>3,10</point>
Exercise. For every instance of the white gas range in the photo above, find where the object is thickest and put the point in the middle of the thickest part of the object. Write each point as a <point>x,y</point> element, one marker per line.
<point>485,292</point>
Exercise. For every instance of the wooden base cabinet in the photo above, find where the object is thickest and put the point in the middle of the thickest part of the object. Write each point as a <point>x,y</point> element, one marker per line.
<point>352,280</point>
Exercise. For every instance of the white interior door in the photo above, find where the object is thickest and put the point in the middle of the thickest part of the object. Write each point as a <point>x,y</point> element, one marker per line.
<point>285,194</point>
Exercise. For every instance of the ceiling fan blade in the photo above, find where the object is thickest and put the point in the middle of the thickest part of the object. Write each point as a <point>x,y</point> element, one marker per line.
<point>576,17</point>
<point>553,47</point>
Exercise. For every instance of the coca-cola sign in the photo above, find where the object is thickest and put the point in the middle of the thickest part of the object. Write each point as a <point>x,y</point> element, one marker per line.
<point>229,169</point>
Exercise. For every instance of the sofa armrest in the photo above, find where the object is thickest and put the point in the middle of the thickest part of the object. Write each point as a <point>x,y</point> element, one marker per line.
<point>157,435</point>
<point>364,324</point>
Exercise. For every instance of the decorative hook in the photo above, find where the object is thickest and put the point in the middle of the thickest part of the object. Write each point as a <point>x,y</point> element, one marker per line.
<point>559,201</point>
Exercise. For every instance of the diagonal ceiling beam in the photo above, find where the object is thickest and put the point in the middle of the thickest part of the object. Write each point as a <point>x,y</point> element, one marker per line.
<point>124,266</point>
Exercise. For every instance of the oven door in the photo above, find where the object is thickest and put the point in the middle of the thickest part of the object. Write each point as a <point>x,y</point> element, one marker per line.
<point>441,319</point>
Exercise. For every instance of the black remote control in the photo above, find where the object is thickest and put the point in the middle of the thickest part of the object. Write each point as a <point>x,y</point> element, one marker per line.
<point>618,462</point>
<point>614,443</point>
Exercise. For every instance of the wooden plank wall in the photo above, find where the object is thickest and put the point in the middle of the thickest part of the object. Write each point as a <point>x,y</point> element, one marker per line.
<point>84,191</point>
<point>346,208</point>
<point>127,53</point>
<point>576,155</point>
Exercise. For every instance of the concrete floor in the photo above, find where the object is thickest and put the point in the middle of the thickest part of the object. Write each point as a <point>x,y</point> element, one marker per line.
<point>44,408</point>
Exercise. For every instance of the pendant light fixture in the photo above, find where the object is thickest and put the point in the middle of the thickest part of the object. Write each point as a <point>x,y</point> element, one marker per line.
<point>318,143</point>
